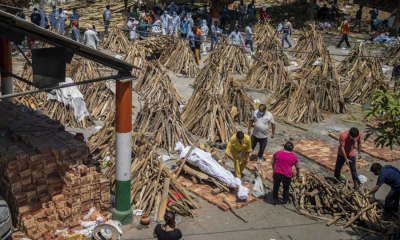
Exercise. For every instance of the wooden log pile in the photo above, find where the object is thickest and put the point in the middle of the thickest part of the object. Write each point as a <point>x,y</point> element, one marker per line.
<point>276,53</point>
<point>156,43</point>
<point>357,62</point>
<point>318,90</point>
<point>230,58</point>
<point>365,75</point>
<point>310,41</point>
<point>269,75</point>
<point>393,55</point>
<point>241,104</point>
<point>102,144</point>
<point>179,58</point>
<point>263,32</point>
<point>207,115</point>
<point>116,41</point>
<point>136,56</point>
<point>339,204</point>
<point>152,184</point>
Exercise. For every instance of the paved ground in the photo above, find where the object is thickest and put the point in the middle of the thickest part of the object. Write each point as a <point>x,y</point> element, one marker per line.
<point>265,220</point>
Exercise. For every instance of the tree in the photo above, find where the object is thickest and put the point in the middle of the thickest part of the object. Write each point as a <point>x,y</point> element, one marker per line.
<point>385,107</point>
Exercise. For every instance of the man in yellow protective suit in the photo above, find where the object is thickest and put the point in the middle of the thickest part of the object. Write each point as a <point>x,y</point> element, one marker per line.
<point>240,147</point>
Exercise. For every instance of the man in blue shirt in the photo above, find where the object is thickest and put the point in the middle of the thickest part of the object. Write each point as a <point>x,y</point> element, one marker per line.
<point>21,14</point>
<point>374,15</point>
<point>390,176</point>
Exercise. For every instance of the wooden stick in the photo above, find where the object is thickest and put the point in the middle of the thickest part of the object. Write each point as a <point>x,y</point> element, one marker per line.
<point>184,161</point>
<point>234,211</point>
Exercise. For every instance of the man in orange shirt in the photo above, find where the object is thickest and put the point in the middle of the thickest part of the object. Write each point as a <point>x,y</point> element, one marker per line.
<point>345,27</point>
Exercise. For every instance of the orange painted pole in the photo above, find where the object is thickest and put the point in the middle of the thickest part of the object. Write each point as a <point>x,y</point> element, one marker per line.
<point>122,211</point>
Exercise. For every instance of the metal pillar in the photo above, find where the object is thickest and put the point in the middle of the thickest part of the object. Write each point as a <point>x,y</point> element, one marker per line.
<point>6,64</point>
<point>122,211</point>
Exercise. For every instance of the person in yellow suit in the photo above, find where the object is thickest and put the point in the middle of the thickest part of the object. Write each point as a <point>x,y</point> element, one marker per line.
<point>240,147</point>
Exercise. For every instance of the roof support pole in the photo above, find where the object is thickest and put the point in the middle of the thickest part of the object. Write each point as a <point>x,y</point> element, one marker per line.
<point>122,211</point>
<point>6,63</point>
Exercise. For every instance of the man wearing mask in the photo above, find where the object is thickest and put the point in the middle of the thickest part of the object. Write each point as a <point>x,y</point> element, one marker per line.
<point>35,17</point>
<point>235,37</point>
<point>176,21</point>
<point>106,18</point>
<point>242,13</point>
<point>61,21</point>
<point>53,20</point>
<point>261,119</point>
<point>75,35</point>
<point>263,13</point>
<point>239,146</point>
<point>214,34</point>
<point>132,23</point>
<point>165,20</point>
<point>204,31</point>
<point>184,27</point>
<point>374,15</point>
<point>251,12</point>
<point>74,16</point>
<point>21,15</point>
<point>43,19</point>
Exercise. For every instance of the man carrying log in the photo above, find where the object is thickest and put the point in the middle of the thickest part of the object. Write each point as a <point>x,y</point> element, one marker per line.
<point>346,153</point>
<point>390,176</point>
<point>240,147</point>
<point>261,119</point>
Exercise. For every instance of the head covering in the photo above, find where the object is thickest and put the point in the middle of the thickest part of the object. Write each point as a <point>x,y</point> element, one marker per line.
<point>204,22</point>
<point>264,7</point>
<point>174,13</point>
<point>75,23</point>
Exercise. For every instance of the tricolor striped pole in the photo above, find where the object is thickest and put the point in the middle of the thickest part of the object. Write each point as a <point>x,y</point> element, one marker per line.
<point>6,64</point>
<point>122,211</point>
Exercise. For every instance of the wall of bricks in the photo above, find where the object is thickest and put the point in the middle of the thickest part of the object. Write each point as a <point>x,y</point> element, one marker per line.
<point>47,178</point>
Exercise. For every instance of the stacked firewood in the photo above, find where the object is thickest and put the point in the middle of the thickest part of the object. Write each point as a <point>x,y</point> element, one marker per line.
<point>365,75</point>
<point>102,144</point>
<point>180,59</point>
<point>152,184</point>
<point>207,115</point>
<point>358,62</point>
<point>230,58</point>
<point>268,74</point>
<point>316,198</point>
<point>393,55</point>
<point>156,43</point>
<point>241,104</point>
<point>136,56</point>
<point>319,90</point>
<point>310,43</point>
<point>159,119</point>
<point>271,50</point>
<point>263,32</point>
<point>154,84</point>
<point>116,41</point>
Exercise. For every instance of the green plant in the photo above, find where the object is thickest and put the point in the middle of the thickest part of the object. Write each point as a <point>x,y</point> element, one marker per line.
<point>385,107</point>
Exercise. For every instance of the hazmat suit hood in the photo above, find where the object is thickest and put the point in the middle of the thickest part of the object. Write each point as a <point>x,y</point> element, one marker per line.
<point>264,7</point>
<point>204,23</point>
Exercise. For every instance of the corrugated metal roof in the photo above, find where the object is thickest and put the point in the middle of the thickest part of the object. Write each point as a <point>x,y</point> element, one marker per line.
<point>26,28</point>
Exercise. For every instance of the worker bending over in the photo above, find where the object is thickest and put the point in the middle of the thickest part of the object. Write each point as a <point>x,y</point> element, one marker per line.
<point>390,176</point>
<point>240,147</point>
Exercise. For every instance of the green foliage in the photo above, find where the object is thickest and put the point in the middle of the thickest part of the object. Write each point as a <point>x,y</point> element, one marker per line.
<point>385,107</point>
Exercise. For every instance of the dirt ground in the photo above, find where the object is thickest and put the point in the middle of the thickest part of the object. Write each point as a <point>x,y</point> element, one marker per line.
<point>265,220</point>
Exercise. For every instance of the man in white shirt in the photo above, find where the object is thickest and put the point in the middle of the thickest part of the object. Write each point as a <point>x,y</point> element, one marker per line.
<point>235,37</point>
<point>261,119</point>
<point>90,38</point>
<point>106,18</point>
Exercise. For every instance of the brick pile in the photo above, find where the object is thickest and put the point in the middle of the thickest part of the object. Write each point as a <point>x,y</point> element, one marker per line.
<point>47,178</point>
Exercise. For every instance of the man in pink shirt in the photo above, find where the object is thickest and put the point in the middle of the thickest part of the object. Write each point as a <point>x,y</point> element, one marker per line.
<point>282,164</point>
<point>347,154</point>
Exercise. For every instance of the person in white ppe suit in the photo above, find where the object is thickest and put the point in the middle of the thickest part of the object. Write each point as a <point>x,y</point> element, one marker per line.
<point>43,19</point>
<point>53,20</point>
<point>157,27</point>
<point>204,31</point>
<point>191,22</point>
<point>61,21</point>
<point>132,23</point>
<point>165,21</point>
<point>176,22</point>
